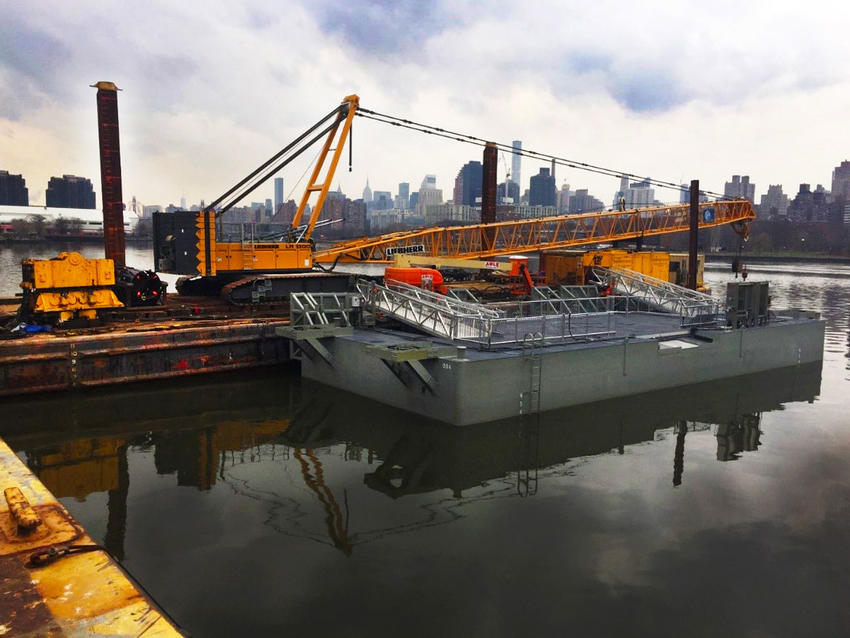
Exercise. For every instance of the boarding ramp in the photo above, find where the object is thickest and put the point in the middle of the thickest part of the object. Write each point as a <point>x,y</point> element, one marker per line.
<point>432,313</point>
<point>570,299</point>
<point>695,308</point>
<point>547,321</point>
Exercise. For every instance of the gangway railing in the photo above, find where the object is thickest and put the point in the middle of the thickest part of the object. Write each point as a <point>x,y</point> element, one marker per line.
<point>433,313</point>
<point>695,308</point>
<point>312,309</point>
<point>486,326</point>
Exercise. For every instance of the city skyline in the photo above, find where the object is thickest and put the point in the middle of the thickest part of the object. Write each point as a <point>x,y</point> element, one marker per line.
<point>190,128</point>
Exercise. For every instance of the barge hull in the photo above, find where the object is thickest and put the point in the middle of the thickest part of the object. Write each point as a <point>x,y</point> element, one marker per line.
<point>464,387</point>
<point>44,363</point>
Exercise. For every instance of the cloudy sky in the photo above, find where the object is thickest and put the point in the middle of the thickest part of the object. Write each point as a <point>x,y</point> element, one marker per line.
<point>674,90</point>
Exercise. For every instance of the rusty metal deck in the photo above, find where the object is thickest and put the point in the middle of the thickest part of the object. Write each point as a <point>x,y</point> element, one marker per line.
<point>137,351</point>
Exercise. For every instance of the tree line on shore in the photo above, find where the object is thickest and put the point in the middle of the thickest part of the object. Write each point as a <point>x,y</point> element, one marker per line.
<point>39,227</point>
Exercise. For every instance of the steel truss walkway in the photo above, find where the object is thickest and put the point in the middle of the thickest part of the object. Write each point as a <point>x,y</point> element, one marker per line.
<point>693,306</point>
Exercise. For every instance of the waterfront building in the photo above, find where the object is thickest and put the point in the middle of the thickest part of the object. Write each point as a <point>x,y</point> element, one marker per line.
<point>349,216</point>
<point>70,191</point>
<point>516,165</point>
<point>88,220</point>
<point>383,221</point>
<point>774,203</point>
<point>468,184</point>
<point>526,211</point>
<point>542,190</point>
<point>740,188</point>
<point>13,190</point>
<point>808,205</point>
<point>841,182</point>
<point>451,213</point>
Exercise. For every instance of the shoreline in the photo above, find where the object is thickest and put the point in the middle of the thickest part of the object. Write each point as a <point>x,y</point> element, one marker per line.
<point>775,259</point>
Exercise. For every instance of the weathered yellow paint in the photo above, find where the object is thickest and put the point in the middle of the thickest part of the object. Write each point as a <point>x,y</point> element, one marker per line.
<point>69,284</point>
<point>68,270</point>
<point>83,300</point>
<point>78,594</point>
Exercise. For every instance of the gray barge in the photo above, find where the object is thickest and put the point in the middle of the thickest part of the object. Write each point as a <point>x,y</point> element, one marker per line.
<point>469,363</point>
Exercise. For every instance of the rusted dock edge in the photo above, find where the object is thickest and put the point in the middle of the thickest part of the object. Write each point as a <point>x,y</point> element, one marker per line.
<point>54,579</point>
<point>138,352</point>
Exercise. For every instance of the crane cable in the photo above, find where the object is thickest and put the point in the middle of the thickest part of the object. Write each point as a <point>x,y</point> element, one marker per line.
<point>561,161</point>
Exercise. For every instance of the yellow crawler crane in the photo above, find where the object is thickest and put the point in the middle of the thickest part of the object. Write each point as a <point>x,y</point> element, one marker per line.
<point>68,286</point>
<point>231,258</point>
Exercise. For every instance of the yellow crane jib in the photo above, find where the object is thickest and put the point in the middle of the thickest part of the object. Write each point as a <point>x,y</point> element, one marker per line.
<point>69,285</point>
<point>546,233</point>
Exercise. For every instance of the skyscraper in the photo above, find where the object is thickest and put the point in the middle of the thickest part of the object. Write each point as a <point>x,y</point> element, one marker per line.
<point>841,182</point>
<point>403,199</point>
<point>278,194</point>
<point>516,163</point>
<point>542,190</point>
<point>428,194</point>
<point>468,183</point>
<point>13,190</point>
<point>367,192</point>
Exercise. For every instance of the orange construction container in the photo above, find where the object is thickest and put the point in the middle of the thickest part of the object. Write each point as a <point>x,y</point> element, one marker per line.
<point>427,278</point>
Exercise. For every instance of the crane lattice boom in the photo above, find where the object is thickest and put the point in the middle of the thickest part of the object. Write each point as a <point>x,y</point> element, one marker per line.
<point>547,233</point>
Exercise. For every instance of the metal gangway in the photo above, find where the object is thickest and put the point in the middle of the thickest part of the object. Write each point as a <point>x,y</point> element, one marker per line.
<point>431,312</point>
<point>486,326</point>
<point>695,308</point>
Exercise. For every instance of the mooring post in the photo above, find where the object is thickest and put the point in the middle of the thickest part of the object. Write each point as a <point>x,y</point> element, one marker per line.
<point>693,243</point>
<point>488,194</point>
<point>110,172</point>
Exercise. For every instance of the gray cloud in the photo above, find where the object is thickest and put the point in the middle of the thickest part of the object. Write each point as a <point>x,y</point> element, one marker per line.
<point>383,26</point>
<point>32,62</point>
<point>646,92</point>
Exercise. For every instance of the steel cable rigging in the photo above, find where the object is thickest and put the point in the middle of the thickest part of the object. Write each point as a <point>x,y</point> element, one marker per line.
<point>560,161</point>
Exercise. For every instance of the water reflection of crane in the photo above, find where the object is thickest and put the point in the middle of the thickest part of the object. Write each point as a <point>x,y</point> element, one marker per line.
<point>315,480</point>
<point>476,464</point>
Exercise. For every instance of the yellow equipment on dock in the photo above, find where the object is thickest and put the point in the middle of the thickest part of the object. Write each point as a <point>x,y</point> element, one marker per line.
<point>68,285</point>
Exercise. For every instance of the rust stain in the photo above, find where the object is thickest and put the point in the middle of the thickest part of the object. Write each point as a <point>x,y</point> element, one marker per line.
<point>77,593</point>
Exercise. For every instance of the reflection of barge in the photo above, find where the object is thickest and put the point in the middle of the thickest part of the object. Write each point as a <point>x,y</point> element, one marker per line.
<point>406,454</point>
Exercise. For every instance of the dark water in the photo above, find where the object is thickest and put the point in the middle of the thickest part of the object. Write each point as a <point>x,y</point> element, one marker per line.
<point>259,504</point>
